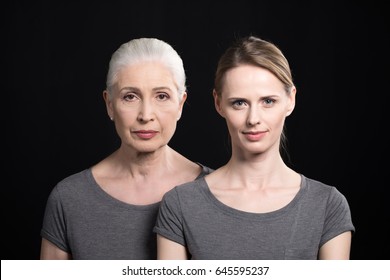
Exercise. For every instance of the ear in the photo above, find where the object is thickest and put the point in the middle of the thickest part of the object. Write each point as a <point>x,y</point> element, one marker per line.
<point>107,99</point>
<point>291,101</point>
<point>182,101</point>
<point>217,104</point>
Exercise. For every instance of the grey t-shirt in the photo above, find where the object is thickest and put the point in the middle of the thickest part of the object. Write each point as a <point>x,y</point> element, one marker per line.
<point>192,216</point>
<point>85,221</point>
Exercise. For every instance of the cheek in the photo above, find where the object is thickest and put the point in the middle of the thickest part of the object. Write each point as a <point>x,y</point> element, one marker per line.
<point>168,124</point>
<point>168,118</point>
<point>277,121</point>
<point>235,118</point>
<point>126,116</point>
<point>168,112</point>
<point>235,123</point>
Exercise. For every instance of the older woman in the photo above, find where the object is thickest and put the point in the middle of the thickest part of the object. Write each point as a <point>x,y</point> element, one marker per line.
<point>108,211</point>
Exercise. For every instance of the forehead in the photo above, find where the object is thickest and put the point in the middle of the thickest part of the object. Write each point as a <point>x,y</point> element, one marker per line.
<point>251,79</point>
<point>144,73</point>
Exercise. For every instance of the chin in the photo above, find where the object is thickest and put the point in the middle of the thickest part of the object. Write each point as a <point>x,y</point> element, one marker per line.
<point>149,148</point>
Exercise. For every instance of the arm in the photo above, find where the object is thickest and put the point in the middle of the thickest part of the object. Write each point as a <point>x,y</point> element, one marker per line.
<point>338,248</point>
<point>170,250</point>
<point>49,251</point>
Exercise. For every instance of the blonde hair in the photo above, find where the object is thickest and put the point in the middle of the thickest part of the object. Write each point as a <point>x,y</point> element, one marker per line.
<point>257,52</point>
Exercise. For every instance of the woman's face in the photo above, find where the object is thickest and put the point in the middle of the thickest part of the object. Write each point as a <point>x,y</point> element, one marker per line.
<point>255,104</point>
<point>145,106</point>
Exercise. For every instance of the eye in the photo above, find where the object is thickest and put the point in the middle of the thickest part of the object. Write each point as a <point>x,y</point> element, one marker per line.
<point>268,102</point>
<point>238,103</point>
<point>161,96</point>
<point>129,97</point>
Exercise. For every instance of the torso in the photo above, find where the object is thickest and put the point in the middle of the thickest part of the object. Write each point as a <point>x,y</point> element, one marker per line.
<point>89,223</point>
<point>218,231</point>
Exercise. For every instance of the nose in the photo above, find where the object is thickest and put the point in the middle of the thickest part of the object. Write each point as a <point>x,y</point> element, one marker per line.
<point>146,112</point>
<point>253,116</point>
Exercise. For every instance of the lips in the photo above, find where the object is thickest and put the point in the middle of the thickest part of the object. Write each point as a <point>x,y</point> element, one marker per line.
<point>254,135</point>
<point>145,134</point>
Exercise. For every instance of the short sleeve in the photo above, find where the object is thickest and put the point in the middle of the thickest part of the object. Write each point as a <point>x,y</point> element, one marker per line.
<point>169,219</point>
<point>338,216</point>
<point>54,226</point>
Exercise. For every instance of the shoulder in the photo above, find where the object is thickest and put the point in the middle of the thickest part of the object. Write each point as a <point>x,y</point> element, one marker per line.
<point>322,191</point>
<point>187,197</point>
<point>73,183</point>
<point>188,190</point>
<point>316,186</point>
<point>75,179</point>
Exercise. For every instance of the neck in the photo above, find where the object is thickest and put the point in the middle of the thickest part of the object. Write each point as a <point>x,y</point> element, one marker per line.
<point>144,163</point>
<point>257,170</point>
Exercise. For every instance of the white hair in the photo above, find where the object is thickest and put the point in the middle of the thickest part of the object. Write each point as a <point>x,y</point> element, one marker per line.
<point>146,49</point>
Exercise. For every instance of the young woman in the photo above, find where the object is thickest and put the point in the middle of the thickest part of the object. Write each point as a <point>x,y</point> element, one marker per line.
<point>108,211</point>
<point>255,206</point>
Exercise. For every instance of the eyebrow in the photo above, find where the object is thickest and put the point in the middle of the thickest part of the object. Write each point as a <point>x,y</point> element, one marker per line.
<point>130,88</point>
<point>162,88</point>
<point>138,90</point>
<point>274,96</point>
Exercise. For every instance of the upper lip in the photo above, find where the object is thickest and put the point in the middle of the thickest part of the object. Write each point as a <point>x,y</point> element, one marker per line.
<point>252,132</point>
<point>145,131</point>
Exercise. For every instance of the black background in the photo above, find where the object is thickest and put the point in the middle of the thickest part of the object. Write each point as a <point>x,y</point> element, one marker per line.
<point>55,58</point>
